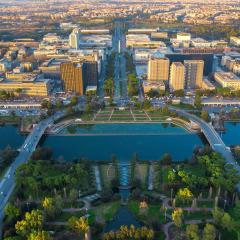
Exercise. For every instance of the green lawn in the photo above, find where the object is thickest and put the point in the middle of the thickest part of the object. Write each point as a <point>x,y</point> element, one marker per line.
<point>64,216</point>
<point>73,205</point>
<point>153,212</point>
<point>105,212</point>
<point>200,215</point>
<point>107,174</point>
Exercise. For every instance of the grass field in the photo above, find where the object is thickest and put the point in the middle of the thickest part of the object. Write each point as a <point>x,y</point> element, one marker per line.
<point>104,212</point>
<point>107,174</point>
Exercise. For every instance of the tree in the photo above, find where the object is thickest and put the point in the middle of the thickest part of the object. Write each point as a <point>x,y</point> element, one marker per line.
<point>80,225</point>
<point>33,221</point>
<point>59,104</point>
<point>108,87</point>
<point>58,204</point>
<point>177,217</point>
<point>184,194</point>
<point>172,177</point>
<point>74,101</point>
<point>198,101</point>
<point>73,195</point>
<point>88,108</point>
<point>179,93</point>
<point>192,232</point>
<point>217,215</point>
<point>39,235</point>
<point>166,159</point>
<point>146,104</point>
<point>70,110</point>
<point>48,207</point>
<point>209,232</point>
<point>11,211</point>
<point>227,222</point>
<point>205,115</point>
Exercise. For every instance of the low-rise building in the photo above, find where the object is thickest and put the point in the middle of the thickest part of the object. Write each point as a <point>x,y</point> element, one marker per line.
<point>207,85</point>
<point>227,80</point>
<point>235,41</point>
<point>31,86</point>
<point>148,86</point>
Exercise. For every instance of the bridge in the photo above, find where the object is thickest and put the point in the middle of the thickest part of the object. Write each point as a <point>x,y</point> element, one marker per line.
<point>7,183</point>
<point>221,103</point>
<point>213,138</point>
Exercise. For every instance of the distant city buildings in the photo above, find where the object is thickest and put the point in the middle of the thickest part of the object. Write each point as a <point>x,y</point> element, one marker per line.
<point>74,39</point>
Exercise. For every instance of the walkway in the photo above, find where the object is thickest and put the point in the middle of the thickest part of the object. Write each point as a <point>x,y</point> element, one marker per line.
<point>97,177</point>
<point>150,177</point>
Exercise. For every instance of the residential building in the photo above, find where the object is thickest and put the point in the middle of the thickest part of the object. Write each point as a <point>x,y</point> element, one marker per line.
<point>90,73</point>
<point>177,76</point>
<point>193,73</point>
<point>158,69</point>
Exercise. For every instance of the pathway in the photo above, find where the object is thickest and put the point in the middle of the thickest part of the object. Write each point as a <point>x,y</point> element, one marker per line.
<point>148,116</point>
<point>97,178</point>
<point>150,177</point>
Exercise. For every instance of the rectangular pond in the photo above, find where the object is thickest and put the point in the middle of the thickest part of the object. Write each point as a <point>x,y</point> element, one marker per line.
<point>100,141</point>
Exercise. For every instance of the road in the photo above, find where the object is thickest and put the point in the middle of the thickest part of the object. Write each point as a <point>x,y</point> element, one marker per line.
<point>8,182</point>
<point>120,77</point>
<point>101,80</point>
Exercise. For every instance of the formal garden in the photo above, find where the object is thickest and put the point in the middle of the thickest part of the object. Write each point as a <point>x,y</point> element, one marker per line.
<point>194,199</point>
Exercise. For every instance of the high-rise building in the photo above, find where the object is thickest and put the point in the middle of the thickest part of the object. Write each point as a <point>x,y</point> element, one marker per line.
<point>193,73</point>
<point>72,76</point>
<point>78,75</point>
<point>158,69</point>
<point>74,38</point>
<point>177,76</point>
<point>90,73</point>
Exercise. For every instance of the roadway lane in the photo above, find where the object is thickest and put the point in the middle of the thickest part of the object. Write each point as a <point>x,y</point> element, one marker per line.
<point>120,78</point>
<point>8,182</point>
<point>101,80</point>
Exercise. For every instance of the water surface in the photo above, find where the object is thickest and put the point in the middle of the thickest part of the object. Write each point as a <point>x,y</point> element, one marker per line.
<point>99,142</point>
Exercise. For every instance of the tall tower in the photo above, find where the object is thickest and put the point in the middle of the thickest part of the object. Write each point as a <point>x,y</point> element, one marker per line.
<point>158,69</point>
<point>72,76</point>
<point>177,77</point>
<point>193,73</point>
<point>74,38</point>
